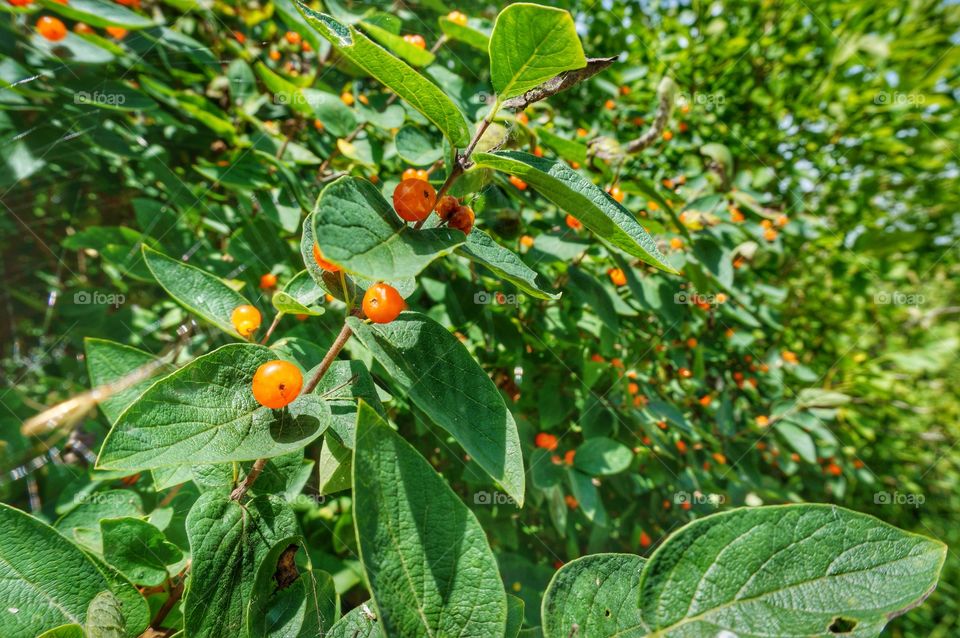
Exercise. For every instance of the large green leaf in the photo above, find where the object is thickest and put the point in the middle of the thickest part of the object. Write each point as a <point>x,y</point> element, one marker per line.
<point>108,362</point>
<point>205,413</point>
<point>393,73</point>
<point>597,595</point>
<point>600,456</point>
<point>359,231</point>
<point>99,13</point>
<point>794,570</point>
<point>529,45</point>
<point>395,43</point>
<point>481,248</point>
<point>196,290</point>
<point>45,580</point>
<point>580,197</point>
<point>138,550</point>
<point>361,622</point>
<point>442,379</point>
<point>418,146</point>
<point>228,543</point>
<point>424,553</point>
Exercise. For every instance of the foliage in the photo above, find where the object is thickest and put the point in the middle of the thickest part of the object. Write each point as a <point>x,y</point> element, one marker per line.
<point>702,328</point>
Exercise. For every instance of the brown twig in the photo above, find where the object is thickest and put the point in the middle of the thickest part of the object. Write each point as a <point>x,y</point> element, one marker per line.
<point>176,591</point>
<point>559,83</point>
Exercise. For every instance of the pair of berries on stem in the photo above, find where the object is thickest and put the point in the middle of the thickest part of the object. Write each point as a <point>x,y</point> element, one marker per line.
<point>381,302</point>
<point>414,199</point>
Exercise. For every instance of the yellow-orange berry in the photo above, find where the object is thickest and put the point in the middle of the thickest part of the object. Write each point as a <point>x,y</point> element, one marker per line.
<point>347,98</point>
<point>323,263</point>
<point>573,223</point>
<point>526,241</point>
<point>416,40</point>
<point>624,90</point>
<point>292,37</point>
<point>617,194</point>
<point>763,421</point>
<point>277,383</point>
<point>667,136</point>
<point>457,18</point>
<point>617,276</point>
<point>522,118</point>
<point>610,105</point>
<point>117,33</point>
<point>414,199</point>
<point>519,183</point>
<point>51,28</point>
<point>245,319</point>
<point>676,243</point>
<point>268,281</point>
<point>382,303</point>
<point>317,124</point>
<point>770,234</point>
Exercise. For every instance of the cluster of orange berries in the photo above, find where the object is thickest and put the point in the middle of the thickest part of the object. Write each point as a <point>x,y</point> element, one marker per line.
<point>548,442</point>
<point>414,199</point>
<point>416,40</point>
<point>54,30</point>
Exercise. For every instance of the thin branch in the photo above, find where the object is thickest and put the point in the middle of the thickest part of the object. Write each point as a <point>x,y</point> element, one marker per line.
<point>559,83</point>
<point>665,96</point>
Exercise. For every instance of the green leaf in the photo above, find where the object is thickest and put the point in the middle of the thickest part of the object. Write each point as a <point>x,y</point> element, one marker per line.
<point>82,523</point>
<point>514,616</point>
<point>300,296</point>
<point>465,33</point>
<point>205,413</point>
<point>417,146</point>
<point>597,595</point>
<point>105,617</point>
<point>359,231</point>
<point>228,542</point>
<point>531,44</point>
<point>361,622</point>
<point>583,199</point>
<point>438,374</point>
<point>395,43</point>
<point>196,290</point>
<point>99,13</point>
<point>799,439</point>
<point>45,580</point>
<point>393,73</point>
<point>138,550</point>
<point>423,551</point>
<point>481,248</point>
<point>64,631</point>
<point>601,456</point>
<point>108,362</point>
<point>793,570</point>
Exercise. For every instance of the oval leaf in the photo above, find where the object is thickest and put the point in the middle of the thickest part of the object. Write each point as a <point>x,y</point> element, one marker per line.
<point>481,248</point>
<point>793,570</point>
<point>444,381</point>
<point>425,555</point>
<point>205,413</point>
<point>582,198</point>
<point>393,73</point>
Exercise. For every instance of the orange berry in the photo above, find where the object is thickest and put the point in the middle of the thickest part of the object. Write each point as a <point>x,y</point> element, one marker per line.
<point>546,441</point>
<point>682,446</point>
<point>274,55</point>
<point>617,276</point>
<point>347,98</point>
<point>633,388</point>
<point>306,47</point>
<point>317,124</point>
<point>795,457</point>
<point>653,206</point>
<point>277,383</point>
<point>763,420</point>
<point>239,37</point>
<point>736,216</point>
<point>782,220</point>
<point>789,356</point>
<point>268,281</point>
<point>667,136</point>
<point>574,165</point>
<point>691,343</point>
<point>676,243</point>
<point>462,219</point>
<point>382,303</point>
<point>683,127</point>
<point>667,504</point>
<point>624,90</point>
<point>538,152</point>
<point>292,37</point>
<point>582,132</point>
<point>416,40</point>
<point>323,263</point>
<point>705,400</point>
<point>573,223</point>
<point>569,456</point>
<point>770,234</point>
<point>570,501</point>
<point>662,425</point>
<point>668,183</point>
<point>685,373</point>
<point>457,18</point>
<point>644,540</point>
<point>523,118</point>
<point>857,463</point>
<point>20,3</point>
<point>719,458</point>
<point>414,199</point>
<point>83,29</point>
<point>245,319</point>
<point>446,206</point>
<point>766,223</point>
<point>302,317</point>
<point>610,105</point>
<point>616,194</point>
<point>526,241</point>
<point>721,298</point>
<point>616,362</point>
<point>51,28</point>
<point>834,469</point>
<point>596,358</point>
<point>686,506</point>
<point>519,183</point>
<point>685,108</point>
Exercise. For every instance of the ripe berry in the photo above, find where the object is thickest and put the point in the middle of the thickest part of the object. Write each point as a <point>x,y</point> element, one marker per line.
<point>277,383</point>
<point>292,37</point>
<point>462,219</point>
<point>782,220</point>
<point>447,205</point>
<point>770,234</point>
<point>537,151</point>
<point>685,373</point>
<point>83,29</point>
<point>519,183</point>
<point>20,3</point>
<point>610,105</point>
<point>682,446</point>
<point>317,124</point>
<point>245,319</point>
<point>719,458</point>
<point>644,540</point>
<point>323,263</point>
<point>691,342</point>
<point>117,33</point>
<point>268,281</point>
<point>624,90</point>
<point>788,356</point>
<point>617,194</point>
<point>347,98</point>
<point>582,132</point>
<point>526,241</point>
<point>414,199</point>
<point>667,136</point>
<point>51,28</point>
<point>569,456</point>
<point>617,277</point>
<point>415,173</point>
<point>523,118</point>
<point>457,18</point>
<point>416,40</point>
<point>382,303</point>
<point>676,243</point>
<point>570,501</point>
<point>633,388</point>
<point>546,441</point>
<point>735,215</point>
<point>573,223</point>
<point>763,421</point>
<point>705,400</point>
